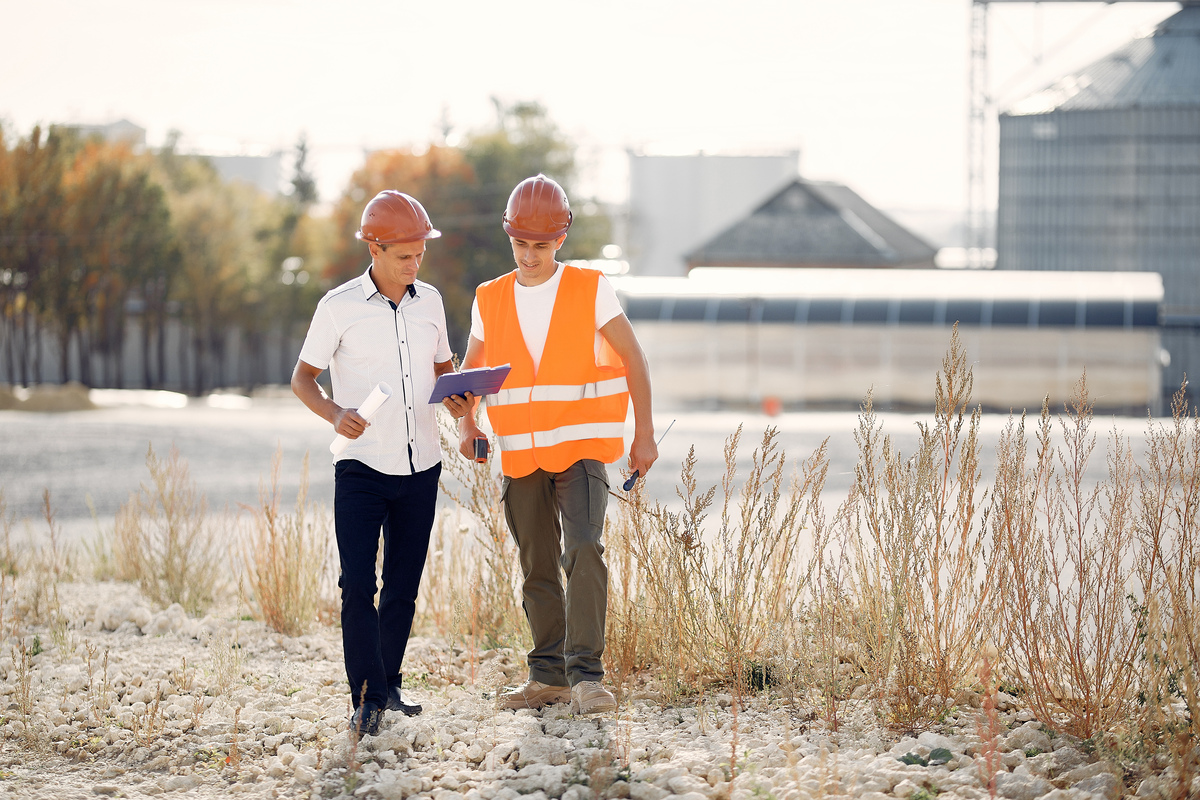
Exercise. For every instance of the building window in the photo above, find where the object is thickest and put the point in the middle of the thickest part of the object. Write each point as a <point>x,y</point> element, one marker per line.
<point>916,312</point>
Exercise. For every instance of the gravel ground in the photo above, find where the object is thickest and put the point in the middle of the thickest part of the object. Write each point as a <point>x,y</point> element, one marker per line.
<point>158,719</point>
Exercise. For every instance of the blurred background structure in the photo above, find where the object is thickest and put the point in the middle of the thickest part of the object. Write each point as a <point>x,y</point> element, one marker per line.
<point>1101,171</point>
<point>192,265</point>
<point>803,339</point>
<point>677,202</point>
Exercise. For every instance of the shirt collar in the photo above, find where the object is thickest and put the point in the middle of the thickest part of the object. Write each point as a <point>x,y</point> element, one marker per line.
<point>370,289</point>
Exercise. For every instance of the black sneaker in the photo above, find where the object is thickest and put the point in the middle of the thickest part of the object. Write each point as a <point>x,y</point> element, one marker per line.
<point>395,703</point>
<point>365,720</point>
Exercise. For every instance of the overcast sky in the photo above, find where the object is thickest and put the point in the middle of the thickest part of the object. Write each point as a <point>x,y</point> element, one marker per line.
<point>872,92</point>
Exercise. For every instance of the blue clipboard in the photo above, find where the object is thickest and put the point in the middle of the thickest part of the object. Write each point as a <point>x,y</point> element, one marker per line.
<point>481,381</point>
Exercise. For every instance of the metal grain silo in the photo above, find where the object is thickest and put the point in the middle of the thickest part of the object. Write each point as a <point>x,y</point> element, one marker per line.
<point>1101,171</point>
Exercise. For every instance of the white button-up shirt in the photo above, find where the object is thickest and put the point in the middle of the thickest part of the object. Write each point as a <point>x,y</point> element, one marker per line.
<point>358,335</point>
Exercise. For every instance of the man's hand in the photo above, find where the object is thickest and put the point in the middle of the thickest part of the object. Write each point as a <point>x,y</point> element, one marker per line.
<point>459,405</point>
<point>468,432</point>
<point>348,423</point>
<point>643,452</point>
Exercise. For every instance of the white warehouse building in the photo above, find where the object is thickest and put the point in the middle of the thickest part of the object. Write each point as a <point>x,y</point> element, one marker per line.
<point>821,338</point>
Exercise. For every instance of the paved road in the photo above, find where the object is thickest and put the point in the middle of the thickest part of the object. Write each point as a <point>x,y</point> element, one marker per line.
<point>101,454</point>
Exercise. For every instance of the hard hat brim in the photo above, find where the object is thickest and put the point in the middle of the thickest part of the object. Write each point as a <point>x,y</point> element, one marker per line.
<point>432,233</point>
<point>531,236</point>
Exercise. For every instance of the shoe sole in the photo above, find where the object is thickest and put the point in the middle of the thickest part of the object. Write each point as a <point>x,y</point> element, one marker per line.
<point>600,707</point>
<point>538,702</point>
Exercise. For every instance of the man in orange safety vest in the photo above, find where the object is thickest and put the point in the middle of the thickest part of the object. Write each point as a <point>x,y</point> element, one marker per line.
<point>558,419</point>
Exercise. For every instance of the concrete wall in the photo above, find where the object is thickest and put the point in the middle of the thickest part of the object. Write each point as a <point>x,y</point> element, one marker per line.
<point>708,365</point>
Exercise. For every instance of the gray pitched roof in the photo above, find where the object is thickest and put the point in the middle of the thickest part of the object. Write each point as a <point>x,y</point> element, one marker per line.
<point>810,223</point>
<point>1159,70</point>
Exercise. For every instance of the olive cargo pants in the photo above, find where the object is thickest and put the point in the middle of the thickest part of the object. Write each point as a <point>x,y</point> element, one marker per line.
<point>557,520</point>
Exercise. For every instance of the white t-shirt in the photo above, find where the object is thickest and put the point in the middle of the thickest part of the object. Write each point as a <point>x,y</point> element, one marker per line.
<point>535,304</point>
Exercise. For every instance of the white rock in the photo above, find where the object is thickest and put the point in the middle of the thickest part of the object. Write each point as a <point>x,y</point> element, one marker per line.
<point>646,791</point>
<point>684,784</point>
<point>1027,737</point>
<point>1105,785</point>
<point>934,741</point>
<point>1021,787</point>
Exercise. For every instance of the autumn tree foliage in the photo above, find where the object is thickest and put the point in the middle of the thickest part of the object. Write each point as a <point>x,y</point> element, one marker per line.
<point>465,188</point>
<point>100,243</point>
<point>93,234</point>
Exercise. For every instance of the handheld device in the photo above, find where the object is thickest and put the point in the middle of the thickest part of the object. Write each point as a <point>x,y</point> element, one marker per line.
<point>633,478</point>
<point>481,449</point>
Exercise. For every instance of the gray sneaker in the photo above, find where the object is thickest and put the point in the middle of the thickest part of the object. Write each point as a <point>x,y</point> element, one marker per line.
<point>590,697</point>
<point>534,694</point>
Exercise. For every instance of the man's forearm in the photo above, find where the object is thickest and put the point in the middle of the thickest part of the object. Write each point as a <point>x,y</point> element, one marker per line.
<point>637,376</point>
<point>309,392</point>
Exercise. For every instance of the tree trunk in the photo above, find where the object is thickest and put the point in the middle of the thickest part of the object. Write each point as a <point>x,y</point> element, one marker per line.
<point>85,354</point>
<point>185,373</point>
<point>161,351</point>
<point>27,353</point>
<point>118,340</point>
<point>144,330</point>
<point>10,368</point>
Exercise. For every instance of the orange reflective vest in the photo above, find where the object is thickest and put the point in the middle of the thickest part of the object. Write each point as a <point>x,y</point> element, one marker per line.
<point>575,406</point>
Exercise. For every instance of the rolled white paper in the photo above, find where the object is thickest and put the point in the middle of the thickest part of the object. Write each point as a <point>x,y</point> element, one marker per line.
<point>367,410</point>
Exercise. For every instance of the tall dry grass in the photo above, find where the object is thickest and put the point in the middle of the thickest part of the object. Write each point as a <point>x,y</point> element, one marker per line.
<point>1082,593</point>
<point>1066,555</point>
<point>1167,570</point>
<point>290,576</point>
<point>163,540</point>
<point>713,605</point>
<point>922,588</point>
<point>484,605</point>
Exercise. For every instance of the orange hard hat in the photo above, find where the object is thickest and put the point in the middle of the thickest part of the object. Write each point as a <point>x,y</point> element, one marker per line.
<point>395,218</point>
<point>537,210</point>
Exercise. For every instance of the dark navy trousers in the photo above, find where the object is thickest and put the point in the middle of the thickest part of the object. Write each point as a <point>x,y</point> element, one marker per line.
<point>367,503</point>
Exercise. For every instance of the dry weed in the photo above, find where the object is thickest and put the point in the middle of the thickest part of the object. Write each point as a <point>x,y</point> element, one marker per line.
<point>163,541</point>
<point>1169,498</point>
<point>920,581</point>
<point>1067,555</point>
<point>99,694</point>
<point>492,578</point>
<point>9,558</point>
<point>148,723</point>
<point>225,666</point>
<point>287,556</point>
<point>988,725</point>
<point>234,759</point>
<point>22,657</point>
<point>717,600</point>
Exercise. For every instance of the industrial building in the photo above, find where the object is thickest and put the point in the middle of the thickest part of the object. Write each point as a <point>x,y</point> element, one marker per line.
<point>821,338</point>
<point>677,202</point>
<point>814,224</point>
<point>1101,172</point>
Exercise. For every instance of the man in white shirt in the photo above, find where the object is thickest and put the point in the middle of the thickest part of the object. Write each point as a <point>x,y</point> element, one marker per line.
<point>559,418</point>
<point>384,326</point>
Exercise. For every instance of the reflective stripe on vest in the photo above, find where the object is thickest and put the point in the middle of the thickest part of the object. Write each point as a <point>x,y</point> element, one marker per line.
<point>561,394</point>
<point>563,433</point>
